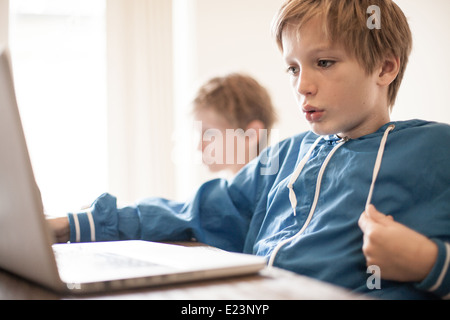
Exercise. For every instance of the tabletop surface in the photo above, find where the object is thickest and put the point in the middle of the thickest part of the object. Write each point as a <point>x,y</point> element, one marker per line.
<point>273,284</point>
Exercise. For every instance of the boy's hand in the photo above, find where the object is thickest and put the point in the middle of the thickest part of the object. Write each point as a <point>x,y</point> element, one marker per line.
<point>60,228</point>
<point>401,253</point>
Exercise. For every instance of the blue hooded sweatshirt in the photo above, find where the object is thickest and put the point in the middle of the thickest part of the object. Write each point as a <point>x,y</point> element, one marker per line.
<point>299,204</point>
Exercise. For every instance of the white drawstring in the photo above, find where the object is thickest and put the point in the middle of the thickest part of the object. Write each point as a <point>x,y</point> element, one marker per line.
<point>297,172</point>
<point>316,196</point>
<point>377,166</point>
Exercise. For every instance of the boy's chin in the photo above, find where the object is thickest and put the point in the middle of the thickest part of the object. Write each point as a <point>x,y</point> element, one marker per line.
<point>321,131</point>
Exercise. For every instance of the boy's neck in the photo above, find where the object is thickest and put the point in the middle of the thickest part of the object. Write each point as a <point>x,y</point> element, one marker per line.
<point>367,128</point>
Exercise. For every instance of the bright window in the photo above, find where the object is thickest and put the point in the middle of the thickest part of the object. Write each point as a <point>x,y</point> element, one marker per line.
<point>59,58</point>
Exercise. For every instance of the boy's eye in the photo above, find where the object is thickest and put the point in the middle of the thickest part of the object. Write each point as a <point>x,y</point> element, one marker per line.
<point>325,63</point>
<point>292,71</point>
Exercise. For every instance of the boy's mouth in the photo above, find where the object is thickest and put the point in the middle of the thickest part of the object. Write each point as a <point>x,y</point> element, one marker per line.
<point>312,114</point>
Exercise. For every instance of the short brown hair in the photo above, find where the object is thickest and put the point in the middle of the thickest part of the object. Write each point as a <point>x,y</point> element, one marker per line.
<point>345,21</point>
<point>239,98</point>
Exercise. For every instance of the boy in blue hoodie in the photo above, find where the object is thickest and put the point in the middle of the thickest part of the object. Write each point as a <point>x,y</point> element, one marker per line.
<point>300,202</point>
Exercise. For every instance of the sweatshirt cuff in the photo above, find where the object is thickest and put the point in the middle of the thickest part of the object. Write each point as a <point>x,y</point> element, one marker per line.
<point>82,227</point>
<point>98,223</point>
<point>438,281</point>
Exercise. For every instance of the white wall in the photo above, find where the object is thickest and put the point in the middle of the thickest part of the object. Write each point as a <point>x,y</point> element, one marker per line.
<point>140,106</point>
<point>424,92</point>
<point>235,35</point>
<point>4,19</point>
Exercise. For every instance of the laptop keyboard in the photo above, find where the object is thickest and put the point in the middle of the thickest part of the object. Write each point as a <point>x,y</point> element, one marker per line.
<point>75,256</point>
<point>87,264</point>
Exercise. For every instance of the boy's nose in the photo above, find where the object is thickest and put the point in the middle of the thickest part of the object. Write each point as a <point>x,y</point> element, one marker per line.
<point>305,85</point>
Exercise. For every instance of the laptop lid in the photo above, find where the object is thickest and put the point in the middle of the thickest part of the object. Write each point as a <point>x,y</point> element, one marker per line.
<point>26,243</point>
<point>24,237</point>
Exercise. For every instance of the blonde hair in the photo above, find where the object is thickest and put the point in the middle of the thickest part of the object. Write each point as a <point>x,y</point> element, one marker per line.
<point>345,22</point>
<point>238,98</point>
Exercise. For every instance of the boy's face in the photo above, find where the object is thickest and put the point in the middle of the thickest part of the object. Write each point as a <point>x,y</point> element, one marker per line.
<point>334,92</point>
<point>216,146</point>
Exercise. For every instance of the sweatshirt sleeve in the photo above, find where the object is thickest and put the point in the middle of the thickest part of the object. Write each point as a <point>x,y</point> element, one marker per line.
<point>219,214</point>
<point>438,281</point>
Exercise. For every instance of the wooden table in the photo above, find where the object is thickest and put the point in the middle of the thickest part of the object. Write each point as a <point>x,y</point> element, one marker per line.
<point>274,284</point>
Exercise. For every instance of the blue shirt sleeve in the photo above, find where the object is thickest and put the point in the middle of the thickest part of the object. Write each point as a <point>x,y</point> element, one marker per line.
<point>438,281</point>
<point>218,214</point>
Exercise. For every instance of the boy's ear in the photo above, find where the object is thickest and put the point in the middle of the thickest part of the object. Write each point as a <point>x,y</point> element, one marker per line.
<point>389,71</point>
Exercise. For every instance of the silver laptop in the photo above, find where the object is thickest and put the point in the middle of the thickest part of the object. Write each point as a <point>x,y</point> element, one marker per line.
<point>26,242</point>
